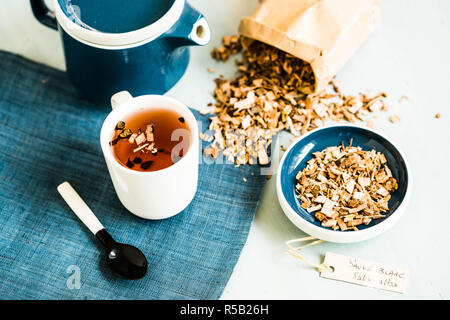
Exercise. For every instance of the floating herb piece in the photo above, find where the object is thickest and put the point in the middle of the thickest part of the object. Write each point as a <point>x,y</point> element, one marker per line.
<point>137,160</point>
<point>145,165</point>
<point>132,138</point>
<point>181,119</point>
<point>125,134</point>
<point>140,139</point>
<point>130,164</point>
<point>120,125</point>
<point>114,141</point>
<point>149,133</point>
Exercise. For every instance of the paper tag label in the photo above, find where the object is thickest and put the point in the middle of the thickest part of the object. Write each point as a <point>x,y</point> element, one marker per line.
<point>365,273</point>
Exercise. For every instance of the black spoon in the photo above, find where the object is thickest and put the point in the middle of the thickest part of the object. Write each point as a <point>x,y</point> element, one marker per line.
<point>124,260</point>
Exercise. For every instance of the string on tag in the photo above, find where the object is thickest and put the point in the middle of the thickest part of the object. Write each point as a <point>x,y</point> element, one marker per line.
<point>294,251</point>
<point>351,269</point>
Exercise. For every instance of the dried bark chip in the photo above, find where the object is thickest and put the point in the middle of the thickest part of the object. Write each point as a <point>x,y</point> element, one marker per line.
<point>327,208</point>
<point>231,45</point>
<point>382,191</point>
<point>341,224</point>
<point>358,195</point>
<point>321,110</point>
<point>329,223</point>
<point>320,199</point>
<point>350,186</point>
<point>356,107</point>
<point>403,98</point>
<point>364,182</point>
<point>315,208</point>
<point>375,105</point>
<point>320,216</point>
<point>394,119</point>
<point>356,222</point>
<point>358,208</point>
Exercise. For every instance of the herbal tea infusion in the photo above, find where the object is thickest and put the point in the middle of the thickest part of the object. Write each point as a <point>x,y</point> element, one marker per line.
<point>151,140</point>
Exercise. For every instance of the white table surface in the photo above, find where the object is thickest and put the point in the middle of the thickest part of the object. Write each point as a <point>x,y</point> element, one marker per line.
<point>407,55</point>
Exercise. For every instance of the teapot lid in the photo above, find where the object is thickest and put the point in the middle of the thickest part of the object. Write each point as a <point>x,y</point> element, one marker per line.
<point>117,22</point>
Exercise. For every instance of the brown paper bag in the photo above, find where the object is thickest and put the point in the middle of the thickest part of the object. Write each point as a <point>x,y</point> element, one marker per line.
<point>324,33</point>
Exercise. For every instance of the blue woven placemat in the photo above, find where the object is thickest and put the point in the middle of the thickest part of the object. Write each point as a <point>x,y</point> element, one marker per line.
<point>48,134</point>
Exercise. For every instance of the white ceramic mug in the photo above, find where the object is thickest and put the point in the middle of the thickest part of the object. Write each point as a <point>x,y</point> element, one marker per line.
<point>154,194</point>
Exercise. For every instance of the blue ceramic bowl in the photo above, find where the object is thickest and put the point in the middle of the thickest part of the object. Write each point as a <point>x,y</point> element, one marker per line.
<point>296,157</point>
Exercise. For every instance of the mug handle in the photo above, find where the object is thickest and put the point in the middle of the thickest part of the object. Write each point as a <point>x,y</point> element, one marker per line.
<point>120,98</point>
<point>43,14</point>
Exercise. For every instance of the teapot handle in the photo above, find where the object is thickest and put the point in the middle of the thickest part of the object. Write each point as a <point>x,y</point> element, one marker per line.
<point>190,30</point>
<point>43,14</point>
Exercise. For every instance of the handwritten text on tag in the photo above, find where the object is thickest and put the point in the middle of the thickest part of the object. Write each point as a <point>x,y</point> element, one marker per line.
<point>365,273</point>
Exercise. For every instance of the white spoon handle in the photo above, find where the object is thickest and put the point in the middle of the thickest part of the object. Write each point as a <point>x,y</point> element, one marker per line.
<point>79,207</point>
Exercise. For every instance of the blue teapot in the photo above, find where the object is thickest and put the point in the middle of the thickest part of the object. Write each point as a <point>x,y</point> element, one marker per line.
<point>141,46</point>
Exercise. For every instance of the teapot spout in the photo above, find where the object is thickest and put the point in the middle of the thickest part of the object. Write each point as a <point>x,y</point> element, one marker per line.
<point>190,30</point>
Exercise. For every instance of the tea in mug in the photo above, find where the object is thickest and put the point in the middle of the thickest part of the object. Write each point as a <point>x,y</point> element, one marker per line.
<point>151,140</point>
